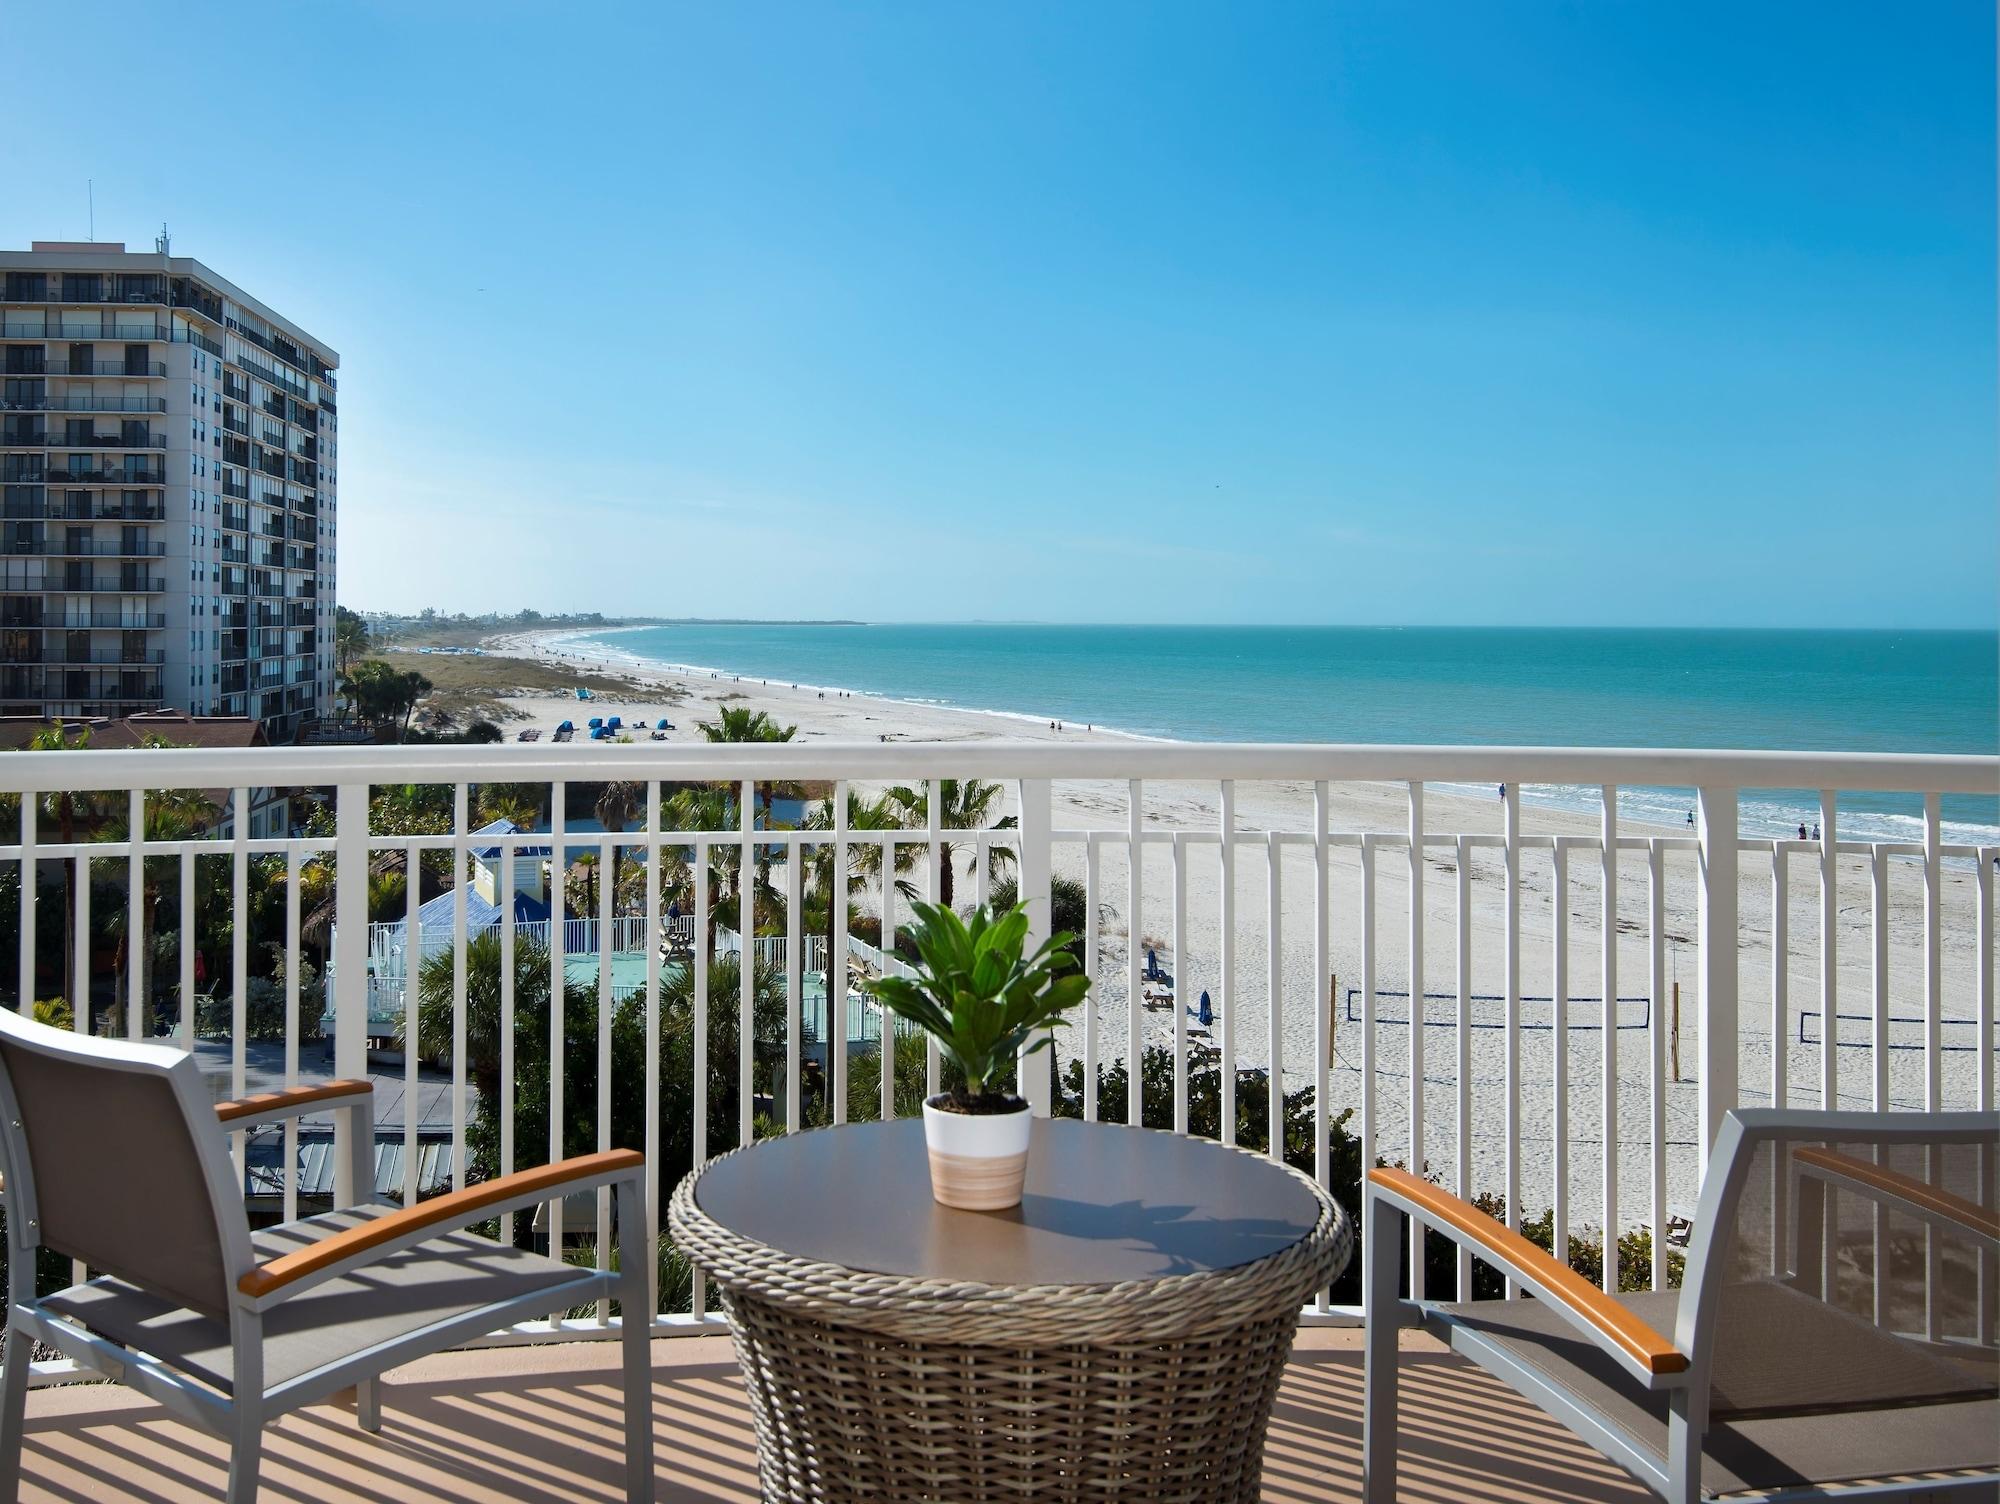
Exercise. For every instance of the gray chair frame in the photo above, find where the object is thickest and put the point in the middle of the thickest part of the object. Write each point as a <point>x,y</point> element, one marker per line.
<point>240,1416</point>
<point>1688,1389</point>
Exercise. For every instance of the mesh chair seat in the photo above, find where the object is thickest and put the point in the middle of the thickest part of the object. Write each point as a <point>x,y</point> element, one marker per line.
<point>434,1281</point>
<point>1805,1392</point>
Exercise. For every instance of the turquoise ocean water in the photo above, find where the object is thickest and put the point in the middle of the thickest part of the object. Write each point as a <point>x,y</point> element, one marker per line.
<point>1888,691</point>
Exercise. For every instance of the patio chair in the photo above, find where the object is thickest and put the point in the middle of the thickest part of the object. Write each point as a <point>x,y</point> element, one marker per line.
<point>1833,1334</point>
<point>113,1154</point>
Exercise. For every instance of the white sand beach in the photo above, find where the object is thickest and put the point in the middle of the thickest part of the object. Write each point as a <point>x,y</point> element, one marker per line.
<point>829,715</point>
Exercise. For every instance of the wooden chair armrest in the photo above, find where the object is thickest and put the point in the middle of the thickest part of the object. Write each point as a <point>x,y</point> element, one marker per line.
<point>440,1214</point>
<point>290,1102</point>
<point>1603,1317</point>
<point>1931,1200</point>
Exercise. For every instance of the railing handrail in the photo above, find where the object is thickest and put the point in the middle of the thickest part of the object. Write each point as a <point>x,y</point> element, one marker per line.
<point>1884,772</point>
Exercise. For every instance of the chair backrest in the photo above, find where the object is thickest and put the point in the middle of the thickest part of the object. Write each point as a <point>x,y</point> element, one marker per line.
<point>114,1156</point>
<point>1845,1260</point>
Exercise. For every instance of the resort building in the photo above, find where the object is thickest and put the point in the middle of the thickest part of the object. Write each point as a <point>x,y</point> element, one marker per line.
<point>168,452</point>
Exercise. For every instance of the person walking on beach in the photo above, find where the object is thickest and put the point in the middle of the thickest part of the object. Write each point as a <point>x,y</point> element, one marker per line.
<point>1815,834</point>
<point>1802,830</point>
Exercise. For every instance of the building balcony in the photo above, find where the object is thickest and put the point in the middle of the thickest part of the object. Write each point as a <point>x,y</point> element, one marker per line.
<point>131,370</point>
<point>62,548</point>
<point>111,288</point>
<point>123,621</point>
<point>142,440</point>
<point>197,298</point>
<point>105,476</point>
<point>1401,968</point>
<point>199,340</point>
<point>124,584</point>
<point>122,331</point>
<point>63,511</point>
<point>79,684</point>
<point>55,654</point>
<point>62,402</point>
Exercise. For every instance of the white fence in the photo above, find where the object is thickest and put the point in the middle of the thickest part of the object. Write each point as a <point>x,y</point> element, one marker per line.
<point>1458,912</point>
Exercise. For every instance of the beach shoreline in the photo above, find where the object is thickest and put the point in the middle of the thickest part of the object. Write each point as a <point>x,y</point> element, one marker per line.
<point>1094,815</point>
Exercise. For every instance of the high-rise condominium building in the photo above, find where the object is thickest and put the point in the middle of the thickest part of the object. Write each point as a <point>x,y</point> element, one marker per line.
<point>168,448</point>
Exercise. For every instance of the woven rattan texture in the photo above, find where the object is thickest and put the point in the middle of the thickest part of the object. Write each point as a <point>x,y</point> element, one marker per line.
<point>881,1387</point>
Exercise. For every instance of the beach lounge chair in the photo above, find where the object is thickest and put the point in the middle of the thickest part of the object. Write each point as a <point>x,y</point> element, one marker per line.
<point>1833,1331</point>
<point>114,1155</point>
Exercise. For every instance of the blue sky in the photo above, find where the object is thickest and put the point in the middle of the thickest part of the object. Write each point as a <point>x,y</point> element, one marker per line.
<point>1363,312</point>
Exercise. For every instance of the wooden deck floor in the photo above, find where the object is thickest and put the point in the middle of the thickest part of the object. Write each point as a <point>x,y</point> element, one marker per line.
<point>540,1425</point>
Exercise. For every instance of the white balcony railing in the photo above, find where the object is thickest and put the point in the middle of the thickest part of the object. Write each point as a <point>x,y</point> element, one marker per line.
<point>1536,1070</point>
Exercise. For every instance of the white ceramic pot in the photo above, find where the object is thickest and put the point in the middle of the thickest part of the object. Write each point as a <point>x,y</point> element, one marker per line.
<point>979,1161</point>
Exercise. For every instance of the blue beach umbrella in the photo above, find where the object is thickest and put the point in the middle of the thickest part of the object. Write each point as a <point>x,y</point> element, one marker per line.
<point>1152,962</point>
<point>1206,1014</point>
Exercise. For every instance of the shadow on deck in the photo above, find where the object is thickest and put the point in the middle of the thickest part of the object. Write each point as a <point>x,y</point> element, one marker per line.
<point>541,1425</point>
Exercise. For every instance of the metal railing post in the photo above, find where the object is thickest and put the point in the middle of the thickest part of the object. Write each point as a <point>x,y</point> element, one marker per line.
<point>1037,826</point>
<point>1719,941</point>
<point>350,959</point>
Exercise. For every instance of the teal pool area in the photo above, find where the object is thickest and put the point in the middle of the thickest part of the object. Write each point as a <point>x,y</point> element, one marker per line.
<point>628,980</point>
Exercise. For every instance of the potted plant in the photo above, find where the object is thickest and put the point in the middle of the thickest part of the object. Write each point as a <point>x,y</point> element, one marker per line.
<point>983,1002</point>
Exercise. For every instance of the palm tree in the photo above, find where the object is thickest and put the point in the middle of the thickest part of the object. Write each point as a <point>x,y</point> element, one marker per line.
<point>864,863</point>
<point>964,807</point>
<point>618,806</point>
<point>383,695</point>
<point>350,638</point>
<point>708,806</point>
<point>71,810</point>
<point>170,815</point>
<point>520,804</point>
<point>580,887</point>
<point>738,723</point>
<point>745,725</point>
<point>412,688</point>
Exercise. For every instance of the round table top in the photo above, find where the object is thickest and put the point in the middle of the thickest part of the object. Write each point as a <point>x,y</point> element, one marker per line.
<point>1104,1204</point>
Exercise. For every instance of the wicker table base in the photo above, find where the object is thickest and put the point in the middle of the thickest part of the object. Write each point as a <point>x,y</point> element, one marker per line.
<point>841,1414</point>
<point>886,1387</point>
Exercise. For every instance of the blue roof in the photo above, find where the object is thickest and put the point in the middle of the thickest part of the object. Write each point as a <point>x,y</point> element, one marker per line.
<point>504,828</point>
<point>435,917</point>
